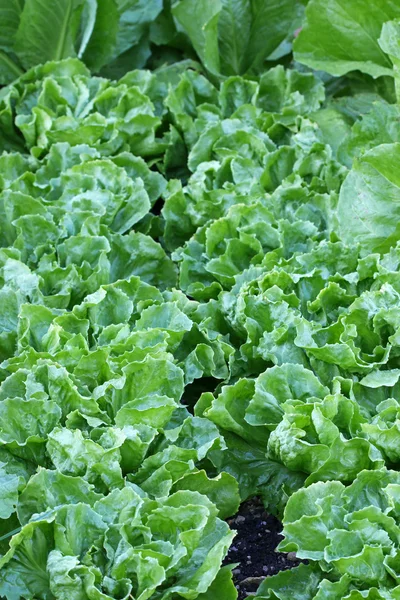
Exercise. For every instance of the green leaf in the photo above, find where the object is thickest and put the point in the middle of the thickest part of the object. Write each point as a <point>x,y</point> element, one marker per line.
<point>102,40</point>
<point>23,569</point>
<point>152,377</point>
<point>9,488</point>
<point>389,42</point>
<point>288,91</point>
<point>309,515</point>
<point>234,29</point>
<point>222,584</point>
<point>369,199</point>
<point>339,36</point>
<point>135,16</point>
<point>275,386</point>
<point>222,490</point>
<point>9,69</point>
<point>50,490</point>
<point>21,420</point>
<point>77,528</point>
<point>47,32</point>
<point>138,254</point>
<point>155,412</point>
<point>271,23</point>
<point>376,379</point>
<point>236,36</point>
<point>199,20</point>
<point>10,15</point>
<point>88,21</point>
<point>303,581</point>
<point>378,126</point>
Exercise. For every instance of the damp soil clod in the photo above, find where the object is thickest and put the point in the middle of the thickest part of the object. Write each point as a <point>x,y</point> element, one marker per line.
<point>258,535</point>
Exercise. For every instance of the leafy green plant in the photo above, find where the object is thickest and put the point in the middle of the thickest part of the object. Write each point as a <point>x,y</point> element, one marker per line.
<point>352,533</point>
<point>199,295</point>
<point>118,35</point>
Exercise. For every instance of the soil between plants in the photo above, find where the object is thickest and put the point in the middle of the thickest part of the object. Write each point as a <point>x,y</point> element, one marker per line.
<point>258,534</point>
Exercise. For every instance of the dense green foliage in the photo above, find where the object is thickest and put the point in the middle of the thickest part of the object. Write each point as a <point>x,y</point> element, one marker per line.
<point>199,295</point>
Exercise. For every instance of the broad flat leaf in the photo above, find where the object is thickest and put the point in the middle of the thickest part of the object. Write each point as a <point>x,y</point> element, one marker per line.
<point>199,20</point>
<point>102,40</point>
<point>390,43</point>
<point>377,379</point>
<point>79,527</point>
<point>234,29</point>
<point>9,69</point>
<point>138,254</point>
<point>389,40</point>
<point>369,202</point>
<point>152,377</point>
<point>223,490</point>
<point>51,489</point>
<point>381,125</point>
<point>24,573</point>
<point>309,514</point>
<point>87,24</point>
<point>301,582</point>
<point>47,31</point>
<point>271,23</point>
<point>222,584</point>
<point>9,487</point>
<point>134,17</point>
<point>284,91</point>
<point>342,35</point>
<point>22,419</point>
<point>236,35</point>
<point>10,15</point>
<point>277,385</point>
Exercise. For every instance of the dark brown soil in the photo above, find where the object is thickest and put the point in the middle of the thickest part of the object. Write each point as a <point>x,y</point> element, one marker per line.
<point>258,534</point>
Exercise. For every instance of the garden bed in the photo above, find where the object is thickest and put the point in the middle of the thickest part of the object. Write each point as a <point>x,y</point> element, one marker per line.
<point>254,547</point>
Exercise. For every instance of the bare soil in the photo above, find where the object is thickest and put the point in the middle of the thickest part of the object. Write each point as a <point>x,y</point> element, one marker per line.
<point>258,535</point>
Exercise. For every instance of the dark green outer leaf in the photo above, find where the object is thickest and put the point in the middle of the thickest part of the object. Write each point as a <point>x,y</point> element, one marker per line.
<point>10,14</point>
<point>342,35</point>
<point>135,17</point>
<point>234,29</point>
<point>9,70</point>
<point>272,20</point>
<point>199,20</point>
<point>47,31</point>
<point>101,45</point>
